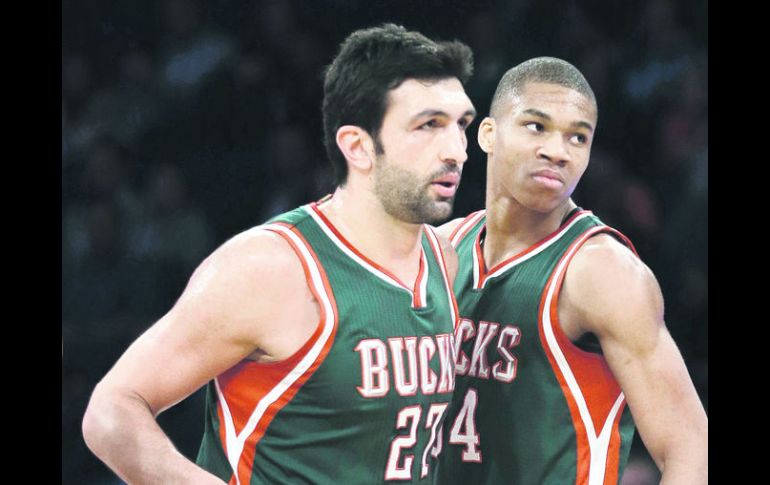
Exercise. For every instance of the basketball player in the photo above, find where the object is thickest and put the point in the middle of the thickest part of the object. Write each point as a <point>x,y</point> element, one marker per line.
<point>325,335</point>
<point>562,338</point>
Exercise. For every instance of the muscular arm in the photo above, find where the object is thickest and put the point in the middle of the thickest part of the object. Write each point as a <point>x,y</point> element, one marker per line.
<point>228,310</point>
<point>609,292</point>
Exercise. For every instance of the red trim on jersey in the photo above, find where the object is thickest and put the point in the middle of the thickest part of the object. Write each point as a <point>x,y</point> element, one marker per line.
<point>484,274</point>
<point>417,297</point>
<point>465,226</point>
<point>419,294</point>
<point>613,451</point>
<point>248,382</point>
<point>597,384</point>
<point>478,264</point>
<point>438,252</point>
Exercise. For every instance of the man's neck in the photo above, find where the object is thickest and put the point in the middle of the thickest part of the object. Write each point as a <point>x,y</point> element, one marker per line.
<point>362,220</point>
<point>512,227</point>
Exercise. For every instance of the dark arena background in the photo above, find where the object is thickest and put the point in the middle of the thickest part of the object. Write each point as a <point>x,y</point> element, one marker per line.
<point>187,121</point>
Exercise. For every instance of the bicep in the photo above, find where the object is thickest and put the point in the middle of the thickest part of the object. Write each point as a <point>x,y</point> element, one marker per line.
<point>622,305</point>
<point>172,359</point>
<point>225,313</point>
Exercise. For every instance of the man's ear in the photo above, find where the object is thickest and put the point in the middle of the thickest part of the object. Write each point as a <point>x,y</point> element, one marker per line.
<point>487,134</point>
<point>357,146</point>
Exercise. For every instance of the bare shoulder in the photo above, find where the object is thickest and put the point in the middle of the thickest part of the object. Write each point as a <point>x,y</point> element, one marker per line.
<point>255,252</point>
<point>612,267</point>
<point>241,291</point>
<point>608,289</point>
<point>245,263</point>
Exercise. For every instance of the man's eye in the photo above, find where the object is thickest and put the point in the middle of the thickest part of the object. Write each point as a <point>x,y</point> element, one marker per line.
<point>430,124</point>
<point>579,139</point>
<point>537,127</point>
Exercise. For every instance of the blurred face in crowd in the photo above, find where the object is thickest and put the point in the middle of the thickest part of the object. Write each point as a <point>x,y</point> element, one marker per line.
<point>539,145</point>
<point>421,149</point>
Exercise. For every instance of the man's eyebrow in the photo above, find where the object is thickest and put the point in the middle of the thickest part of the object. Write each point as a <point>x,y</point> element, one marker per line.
<point>575,124</point>
<point>426,113</point>
<point>437,112</point>
<point>583,124</point>
<point>538,113</point>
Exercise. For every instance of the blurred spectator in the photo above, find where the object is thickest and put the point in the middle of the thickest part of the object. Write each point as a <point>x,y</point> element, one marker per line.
<point>491,59</point>
<point>682,134</point>
<point>96,285</point>
<point>126,110</point>
<point>173,230</point>
<point>108,175</point>
<point>77,85</point>
<point>287,154</point>
<point>661,53</point>
<point>77,82</point>
<point>640,210</point>
<point>192,50</point>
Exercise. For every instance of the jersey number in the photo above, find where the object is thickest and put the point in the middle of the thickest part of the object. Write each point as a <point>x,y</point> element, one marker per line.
<point>463,430</point>
<point>409,417</point>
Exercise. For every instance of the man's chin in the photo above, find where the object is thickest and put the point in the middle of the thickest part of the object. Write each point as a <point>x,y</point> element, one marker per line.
<point>442,209</point>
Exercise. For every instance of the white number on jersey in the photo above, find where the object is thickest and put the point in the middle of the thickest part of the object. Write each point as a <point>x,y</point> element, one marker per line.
<point>409,417</point>
<point>435,415</point>
<point>463,430</point>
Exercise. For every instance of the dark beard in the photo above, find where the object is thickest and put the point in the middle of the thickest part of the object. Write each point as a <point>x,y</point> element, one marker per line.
<point>406,198</point>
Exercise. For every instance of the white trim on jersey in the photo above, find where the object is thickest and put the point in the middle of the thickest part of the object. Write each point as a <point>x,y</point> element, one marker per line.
<point>465,226</point>
<point>236,442</point>
<point>524,257</point>
<point>598,444</point>
<point>477,257</point>
<point>230,434</point>
<point>365,264</point>
<point>435,246</point>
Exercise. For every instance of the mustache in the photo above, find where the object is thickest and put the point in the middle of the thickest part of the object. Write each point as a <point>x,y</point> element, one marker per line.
<point>446,171</point>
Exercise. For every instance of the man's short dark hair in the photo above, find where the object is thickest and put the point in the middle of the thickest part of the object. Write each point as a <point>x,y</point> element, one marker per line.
<point>370,63</point>
<point>549,70</point>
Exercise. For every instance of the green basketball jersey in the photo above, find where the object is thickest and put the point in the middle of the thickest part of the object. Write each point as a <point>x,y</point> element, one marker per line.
<point>363,401</point>
<point>530,407</point>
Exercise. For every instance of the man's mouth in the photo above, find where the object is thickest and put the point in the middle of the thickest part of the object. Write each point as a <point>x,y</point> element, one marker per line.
<point>549,178</point>
<point>446,185</point>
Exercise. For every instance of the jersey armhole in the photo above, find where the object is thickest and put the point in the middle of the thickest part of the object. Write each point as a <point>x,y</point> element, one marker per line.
<point>587,345</point>
<point>316,281</point>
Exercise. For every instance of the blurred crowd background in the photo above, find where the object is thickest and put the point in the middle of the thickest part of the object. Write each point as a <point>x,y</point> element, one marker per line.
<point>185,122</point>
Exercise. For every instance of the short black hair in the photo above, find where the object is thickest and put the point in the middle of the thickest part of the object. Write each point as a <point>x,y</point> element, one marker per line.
<point>371,62</point>
<point>549,70</point>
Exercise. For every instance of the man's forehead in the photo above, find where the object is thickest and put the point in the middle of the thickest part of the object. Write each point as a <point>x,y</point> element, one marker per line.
<point>546,97</point>
<point>423,94</point>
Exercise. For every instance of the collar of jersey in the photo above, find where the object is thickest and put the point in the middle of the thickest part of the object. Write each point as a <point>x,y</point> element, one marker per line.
<point>417,294</point>
<point>480,274</point>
